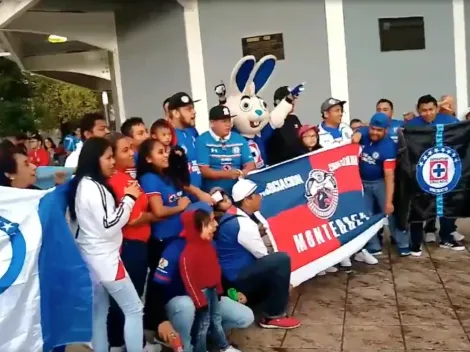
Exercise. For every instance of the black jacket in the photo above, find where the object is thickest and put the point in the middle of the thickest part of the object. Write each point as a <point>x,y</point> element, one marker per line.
<point>284,141</point>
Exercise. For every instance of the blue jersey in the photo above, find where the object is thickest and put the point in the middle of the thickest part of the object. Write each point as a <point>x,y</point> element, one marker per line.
<point>375,156</point>
<point>257,146</point>
<point>155,185</point>
<point>230,153</point>
<point>167,272</point>
<point>186,139</point>
<point>70,142</point>
<point>441,119</point>
<point>393,128</point>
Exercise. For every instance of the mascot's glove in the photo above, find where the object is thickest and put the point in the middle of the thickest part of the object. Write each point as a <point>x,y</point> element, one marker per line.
<point>220,90</point>
<point>297,90</point>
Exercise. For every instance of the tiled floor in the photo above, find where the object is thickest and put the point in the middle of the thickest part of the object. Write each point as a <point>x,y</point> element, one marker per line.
<point>401,304</point>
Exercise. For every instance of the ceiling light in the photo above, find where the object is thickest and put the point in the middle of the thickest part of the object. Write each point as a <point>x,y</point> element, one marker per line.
<point>56,39</point>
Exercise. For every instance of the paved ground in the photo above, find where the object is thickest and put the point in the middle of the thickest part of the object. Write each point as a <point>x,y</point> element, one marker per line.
<point>401,304</point>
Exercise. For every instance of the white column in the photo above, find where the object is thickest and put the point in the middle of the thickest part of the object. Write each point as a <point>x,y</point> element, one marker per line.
<point>460,55</point>
<point>196,62</point>
<point>337,53</point>
<point>116,87</point>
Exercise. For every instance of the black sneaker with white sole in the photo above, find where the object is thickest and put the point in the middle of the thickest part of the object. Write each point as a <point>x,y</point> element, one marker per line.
<point>454,245</point>
<point>415,250</point>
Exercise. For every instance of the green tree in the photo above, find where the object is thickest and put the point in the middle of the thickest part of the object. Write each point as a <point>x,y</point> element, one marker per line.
<point>55,103</point>
<point>15,93</point>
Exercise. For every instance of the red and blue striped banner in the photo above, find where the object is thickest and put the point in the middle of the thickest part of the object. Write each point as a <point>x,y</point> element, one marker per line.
<point>315,209</point>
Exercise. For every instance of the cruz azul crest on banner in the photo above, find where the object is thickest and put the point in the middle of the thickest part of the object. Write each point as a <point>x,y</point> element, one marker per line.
<point>315,209</point>
<point>438,170</point>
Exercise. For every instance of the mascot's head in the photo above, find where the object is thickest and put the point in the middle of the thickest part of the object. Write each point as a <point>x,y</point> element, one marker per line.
<point>246,83</point>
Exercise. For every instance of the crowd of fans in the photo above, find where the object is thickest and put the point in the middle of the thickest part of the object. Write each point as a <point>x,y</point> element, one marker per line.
<point>166,214</point>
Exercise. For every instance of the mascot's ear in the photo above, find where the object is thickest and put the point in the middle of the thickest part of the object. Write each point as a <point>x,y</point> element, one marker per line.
<point>263,72</point>
<point>241,74</point>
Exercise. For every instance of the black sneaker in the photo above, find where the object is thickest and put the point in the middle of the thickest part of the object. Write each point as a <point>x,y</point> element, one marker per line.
<point>454,245</point>
<point>415,250</point>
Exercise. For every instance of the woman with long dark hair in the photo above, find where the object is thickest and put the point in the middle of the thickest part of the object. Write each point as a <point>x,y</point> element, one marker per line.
<point>99,237</point>
<point>164,189</point>
<point>50,147</point>
<point>136,234</point>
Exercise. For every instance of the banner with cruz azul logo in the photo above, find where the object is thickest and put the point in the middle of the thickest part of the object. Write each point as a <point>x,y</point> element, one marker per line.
<point>315,209</point>
<point>432,177</point>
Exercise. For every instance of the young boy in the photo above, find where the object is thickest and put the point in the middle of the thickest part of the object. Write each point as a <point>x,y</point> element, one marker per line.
<point>134,128</point>
<point>161,131</point>
<point>202,277</point>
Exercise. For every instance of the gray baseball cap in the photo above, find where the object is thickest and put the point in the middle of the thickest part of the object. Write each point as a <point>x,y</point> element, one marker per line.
<point>329,103</point>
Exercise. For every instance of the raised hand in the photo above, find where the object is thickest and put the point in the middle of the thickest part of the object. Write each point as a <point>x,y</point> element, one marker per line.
<point>220,90</point>
<point>297,90</point>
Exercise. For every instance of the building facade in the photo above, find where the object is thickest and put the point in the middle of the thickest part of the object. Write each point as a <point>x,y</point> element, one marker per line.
<point>149,50</point>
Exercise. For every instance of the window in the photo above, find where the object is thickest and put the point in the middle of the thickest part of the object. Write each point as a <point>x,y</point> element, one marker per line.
<point>404,33</point>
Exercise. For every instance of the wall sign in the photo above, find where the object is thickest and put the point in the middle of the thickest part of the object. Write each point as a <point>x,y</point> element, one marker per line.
<point>402,33</point>
<point>262,45</point>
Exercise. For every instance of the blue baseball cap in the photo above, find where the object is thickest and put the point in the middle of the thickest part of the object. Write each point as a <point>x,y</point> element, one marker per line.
<point>379,120</point>
<point>200,206</point>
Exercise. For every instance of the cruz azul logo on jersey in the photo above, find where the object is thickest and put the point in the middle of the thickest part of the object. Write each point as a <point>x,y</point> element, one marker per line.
<point>438,170</point>
<point>321,191</point>
<point>18,253</point>
<point>256,153</point>
<point>175,196</point>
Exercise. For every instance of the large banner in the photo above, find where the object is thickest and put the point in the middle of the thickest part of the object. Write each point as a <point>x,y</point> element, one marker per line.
<point>46,175</point>
<point>433,173</point>
<point>45,286</point>
<point>315,209</point>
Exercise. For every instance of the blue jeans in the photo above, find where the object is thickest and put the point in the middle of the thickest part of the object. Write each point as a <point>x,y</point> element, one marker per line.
<point>134,257</point>
<point>374,193</point>
<point>125,295</point>
<point>181,313</point>
<point>209,317</point>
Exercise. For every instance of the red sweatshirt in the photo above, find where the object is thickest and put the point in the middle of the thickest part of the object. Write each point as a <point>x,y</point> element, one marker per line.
<point>199,265</point>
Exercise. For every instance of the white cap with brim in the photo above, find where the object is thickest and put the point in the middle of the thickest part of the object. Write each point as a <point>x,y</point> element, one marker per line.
<point>242,189</point>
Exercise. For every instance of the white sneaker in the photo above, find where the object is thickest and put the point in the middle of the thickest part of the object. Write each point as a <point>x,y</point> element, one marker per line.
<point>458,236</point>
<point>346,263</point>
<point>322,273</point>
<point>430,237</point>
<point>365,257</point>
<point>152,347</point>
<point>231,349</point>
<point>118,349</point>
<point>332,269</point>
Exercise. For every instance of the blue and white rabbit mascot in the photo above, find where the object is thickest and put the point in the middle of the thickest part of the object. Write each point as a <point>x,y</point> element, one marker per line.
<point>253,120</point>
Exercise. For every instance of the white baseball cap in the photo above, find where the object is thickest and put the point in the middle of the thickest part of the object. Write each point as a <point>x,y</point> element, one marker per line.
<point>242,189</point>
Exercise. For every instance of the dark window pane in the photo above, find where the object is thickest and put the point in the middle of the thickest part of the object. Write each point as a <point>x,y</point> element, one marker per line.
<point>405,33</point>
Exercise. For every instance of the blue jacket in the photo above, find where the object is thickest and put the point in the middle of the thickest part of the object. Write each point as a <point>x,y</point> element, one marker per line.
<point>233,257</point>
<point>167,272</point>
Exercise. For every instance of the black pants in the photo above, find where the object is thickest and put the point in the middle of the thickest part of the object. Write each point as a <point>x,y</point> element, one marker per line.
<point>271,275</point>
<point>447,226</point>
<point>154,308</point>
<point>134,258</point>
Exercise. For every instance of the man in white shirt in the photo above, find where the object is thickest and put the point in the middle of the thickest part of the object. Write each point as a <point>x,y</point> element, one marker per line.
<point>332,130</point>
<point>245,261</point>
<point>91,125</point>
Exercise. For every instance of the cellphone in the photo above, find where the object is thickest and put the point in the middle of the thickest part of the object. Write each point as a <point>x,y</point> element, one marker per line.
<point>217,197</point>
